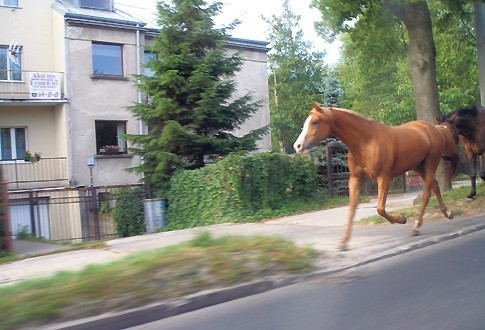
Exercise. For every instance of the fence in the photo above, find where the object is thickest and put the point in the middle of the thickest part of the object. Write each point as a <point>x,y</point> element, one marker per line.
<point>67,215</point>
<point>336,174</point>
<point>21,174</point>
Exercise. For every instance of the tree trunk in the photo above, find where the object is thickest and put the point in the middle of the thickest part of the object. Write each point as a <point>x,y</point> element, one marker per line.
<point>422,59</point>
<point>479,8</point>
<point>422,62</point>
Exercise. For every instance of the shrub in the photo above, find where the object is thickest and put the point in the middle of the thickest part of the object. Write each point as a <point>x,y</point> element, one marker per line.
<point>128,214</point>
<point>239,188</point>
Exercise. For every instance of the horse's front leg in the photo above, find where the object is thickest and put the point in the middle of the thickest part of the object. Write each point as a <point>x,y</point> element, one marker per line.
<point>355,184</point>
<point>473,177</point>
<point>382,191</point>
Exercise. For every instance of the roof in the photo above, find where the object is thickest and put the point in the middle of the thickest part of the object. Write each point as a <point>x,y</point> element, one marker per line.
<point>132,17</point>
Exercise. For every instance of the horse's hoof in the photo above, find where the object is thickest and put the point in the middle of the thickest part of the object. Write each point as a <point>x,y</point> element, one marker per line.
<point>403,221</point>
<point>449,215</point>
<point>342,247</point>
<point>470,198</point>
<point>415,232</point>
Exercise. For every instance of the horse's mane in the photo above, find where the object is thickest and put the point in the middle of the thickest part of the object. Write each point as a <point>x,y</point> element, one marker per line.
<point>467,113</point>
<point>466,124</point>
<point>349,111</point>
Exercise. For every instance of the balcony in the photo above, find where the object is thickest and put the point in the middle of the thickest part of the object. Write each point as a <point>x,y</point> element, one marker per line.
<point>31,87</point>
<point>47,172</point>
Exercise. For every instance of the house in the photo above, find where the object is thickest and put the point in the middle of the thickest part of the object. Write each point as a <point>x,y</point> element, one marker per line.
<point>66,79</point>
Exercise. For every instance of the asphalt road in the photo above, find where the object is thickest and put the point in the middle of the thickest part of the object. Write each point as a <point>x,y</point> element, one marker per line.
<point>438,287</point>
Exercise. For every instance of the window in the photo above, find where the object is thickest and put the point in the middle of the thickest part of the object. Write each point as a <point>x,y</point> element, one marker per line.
<point>107,59</point>
<point>147,56</point>
<point>109,137</point>
<point>12,141</point>
<point>97,4</point>
<point>10,63</point>
<point>9,3</point>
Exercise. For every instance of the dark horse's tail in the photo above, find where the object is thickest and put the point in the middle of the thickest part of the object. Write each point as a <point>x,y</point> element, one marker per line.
<point>451,154</point>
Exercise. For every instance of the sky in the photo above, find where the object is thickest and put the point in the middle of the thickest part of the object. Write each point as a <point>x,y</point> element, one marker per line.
<point>252,25</point>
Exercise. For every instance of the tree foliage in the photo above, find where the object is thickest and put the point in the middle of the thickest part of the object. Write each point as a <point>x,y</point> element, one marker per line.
<point>298,75</point>
<point>374,70</point>
<point>190,113</point>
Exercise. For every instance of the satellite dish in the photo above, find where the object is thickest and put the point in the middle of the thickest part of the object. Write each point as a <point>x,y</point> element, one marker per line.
<point>14,53</point>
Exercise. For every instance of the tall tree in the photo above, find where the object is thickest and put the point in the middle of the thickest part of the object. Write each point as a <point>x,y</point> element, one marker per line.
<point>337,15</point>
<point>190,113</point>
<point>374,70</point>
<point>298,76</point>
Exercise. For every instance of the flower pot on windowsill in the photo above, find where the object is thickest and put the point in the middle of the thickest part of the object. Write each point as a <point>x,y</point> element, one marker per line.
<point>28,157</point>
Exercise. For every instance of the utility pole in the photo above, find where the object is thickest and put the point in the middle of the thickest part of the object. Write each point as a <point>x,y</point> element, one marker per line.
<point>479,9</point>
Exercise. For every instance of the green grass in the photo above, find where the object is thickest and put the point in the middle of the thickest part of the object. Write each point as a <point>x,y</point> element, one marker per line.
<point>454,199</point>
<point>202,263</point>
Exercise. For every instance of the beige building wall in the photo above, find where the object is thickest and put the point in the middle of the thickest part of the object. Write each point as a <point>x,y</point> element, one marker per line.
<point>254,65</point>
<point>94,99</point>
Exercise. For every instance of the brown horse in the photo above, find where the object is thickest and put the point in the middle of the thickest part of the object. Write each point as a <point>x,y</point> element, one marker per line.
<point>379,152</point>
<point>470,124</point>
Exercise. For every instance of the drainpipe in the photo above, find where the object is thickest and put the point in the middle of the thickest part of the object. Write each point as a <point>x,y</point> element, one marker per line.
<point>138,71</point>
<point>67,107</point>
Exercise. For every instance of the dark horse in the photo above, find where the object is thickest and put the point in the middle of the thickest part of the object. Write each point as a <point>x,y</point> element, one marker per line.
<point>470,124</point>
<point>379,152</point>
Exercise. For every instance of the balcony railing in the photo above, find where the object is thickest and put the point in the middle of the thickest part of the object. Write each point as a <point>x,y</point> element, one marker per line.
<point>31,85</point>
<point>47,172</point>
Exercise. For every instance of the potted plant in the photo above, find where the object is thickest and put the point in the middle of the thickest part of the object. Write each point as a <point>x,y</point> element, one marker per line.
<point>28,157</point>
<point>110,150</point>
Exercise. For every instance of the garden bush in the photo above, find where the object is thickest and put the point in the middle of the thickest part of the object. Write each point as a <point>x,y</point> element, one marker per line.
<point>240,188</point>
<point>128,214</point>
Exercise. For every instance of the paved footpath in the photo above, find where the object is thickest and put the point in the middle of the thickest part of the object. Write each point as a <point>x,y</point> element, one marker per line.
<point>320,229</point>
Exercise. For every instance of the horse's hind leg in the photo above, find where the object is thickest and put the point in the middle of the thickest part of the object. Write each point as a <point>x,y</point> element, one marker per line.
<point>430,183</point>
<point>482,170</point>
<point>473,177</point>
<point>382,191</point>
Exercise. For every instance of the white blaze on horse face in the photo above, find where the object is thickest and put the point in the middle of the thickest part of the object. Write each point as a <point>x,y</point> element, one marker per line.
<point>300,142</point>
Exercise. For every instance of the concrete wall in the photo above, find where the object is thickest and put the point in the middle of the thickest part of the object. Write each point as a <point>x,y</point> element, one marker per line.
<point>93,98</point>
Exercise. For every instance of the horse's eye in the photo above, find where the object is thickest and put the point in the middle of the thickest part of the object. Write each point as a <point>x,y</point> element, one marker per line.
<point>314,122</point>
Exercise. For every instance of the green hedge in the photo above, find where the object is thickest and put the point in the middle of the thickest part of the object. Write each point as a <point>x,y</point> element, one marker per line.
<point>128,214</point>
<point>240,188</point>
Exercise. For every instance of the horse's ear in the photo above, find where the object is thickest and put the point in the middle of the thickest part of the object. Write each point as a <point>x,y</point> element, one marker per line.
<point>323,110</point>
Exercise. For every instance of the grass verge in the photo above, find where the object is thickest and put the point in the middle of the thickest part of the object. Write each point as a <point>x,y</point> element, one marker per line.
<point>454,199</point>
<point>200,264</point>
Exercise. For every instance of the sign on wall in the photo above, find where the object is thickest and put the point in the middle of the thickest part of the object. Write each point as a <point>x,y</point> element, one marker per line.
<point>45,85</point>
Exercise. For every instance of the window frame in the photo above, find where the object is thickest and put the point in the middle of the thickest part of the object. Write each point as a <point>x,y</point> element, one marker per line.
<point>12,74</point>
<point>15,156</point>
<point>121,126</point>
<point>109,7</point>
<point>148,56</point>
<point>121,59</point>
<point>3,4</point>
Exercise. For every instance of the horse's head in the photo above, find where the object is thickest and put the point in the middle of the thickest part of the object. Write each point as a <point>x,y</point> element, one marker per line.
<point>317,127</point>
<point>463,120</point>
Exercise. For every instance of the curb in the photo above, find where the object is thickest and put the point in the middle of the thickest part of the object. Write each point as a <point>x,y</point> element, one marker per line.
<point>203,299</point>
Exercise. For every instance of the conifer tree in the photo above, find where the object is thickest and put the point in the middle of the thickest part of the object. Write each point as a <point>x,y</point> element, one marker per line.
<point>190,114</point>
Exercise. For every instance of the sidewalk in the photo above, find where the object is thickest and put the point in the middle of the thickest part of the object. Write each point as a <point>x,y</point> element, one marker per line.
<point>321,230</point>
